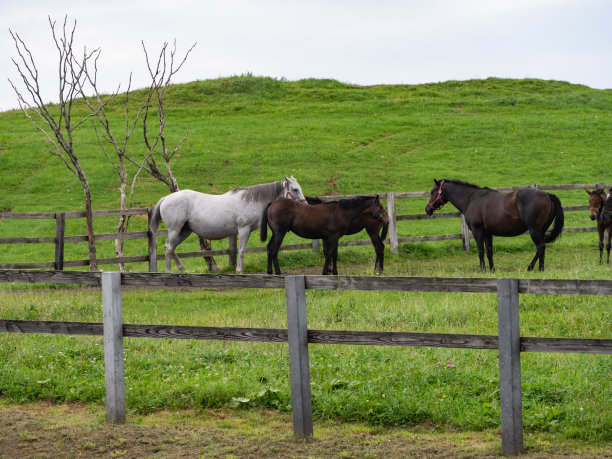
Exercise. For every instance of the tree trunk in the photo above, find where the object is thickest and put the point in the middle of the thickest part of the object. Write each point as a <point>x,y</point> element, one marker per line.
<point>210,261</point>
<point>93,263</point>
<point>122,226</point>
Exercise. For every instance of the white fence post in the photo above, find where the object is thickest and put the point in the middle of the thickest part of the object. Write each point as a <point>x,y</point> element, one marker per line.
<point>465,233</point>
<point>299,369</point>
<point>113,347</point>
<point>510,366</point>
<point>393,246</point>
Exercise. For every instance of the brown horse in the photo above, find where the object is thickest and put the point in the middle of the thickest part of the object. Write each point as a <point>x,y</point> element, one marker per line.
<point>601,210</point>
<point>328,221</point>
<point>490,213</point>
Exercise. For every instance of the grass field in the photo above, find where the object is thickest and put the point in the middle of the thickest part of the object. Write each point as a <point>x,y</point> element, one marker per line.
<point>334,138</point>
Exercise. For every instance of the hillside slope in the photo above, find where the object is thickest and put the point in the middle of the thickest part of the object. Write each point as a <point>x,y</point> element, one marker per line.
<point>334,138</point>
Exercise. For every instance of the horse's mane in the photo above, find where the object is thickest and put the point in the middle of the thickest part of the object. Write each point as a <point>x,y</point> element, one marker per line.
<point>348,203</point>
<point>469,185</point>
<point>354,203</point>
<point>266,192</point>
<point>313,200</point>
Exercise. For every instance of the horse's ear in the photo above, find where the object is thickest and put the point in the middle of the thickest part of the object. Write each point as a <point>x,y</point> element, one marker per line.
<point>286,178</point>
<point>436,182</point>
<point>587,191</point>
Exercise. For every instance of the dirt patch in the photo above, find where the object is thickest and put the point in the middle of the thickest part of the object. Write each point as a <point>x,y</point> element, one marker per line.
<point>384,136</point>
<point>74,430</point>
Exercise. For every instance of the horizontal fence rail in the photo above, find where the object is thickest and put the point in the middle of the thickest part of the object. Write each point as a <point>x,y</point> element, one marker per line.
<point>509,343</point>
<point>393,240</point>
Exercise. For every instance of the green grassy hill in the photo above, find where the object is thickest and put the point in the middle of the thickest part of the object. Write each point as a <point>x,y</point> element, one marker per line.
<point>334,138</point>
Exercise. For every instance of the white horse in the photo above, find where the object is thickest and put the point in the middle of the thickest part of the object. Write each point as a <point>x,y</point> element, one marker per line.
<point>211,216</point>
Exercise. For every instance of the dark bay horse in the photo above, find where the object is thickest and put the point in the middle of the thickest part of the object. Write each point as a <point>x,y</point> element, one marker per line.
<point>328,221</point>
<point>601,210</point>
<point>490,213</point>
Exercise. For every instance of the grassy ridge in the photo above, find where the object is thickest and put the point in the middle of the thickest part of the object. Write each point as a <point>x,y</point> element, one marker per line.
<point>335,138</point>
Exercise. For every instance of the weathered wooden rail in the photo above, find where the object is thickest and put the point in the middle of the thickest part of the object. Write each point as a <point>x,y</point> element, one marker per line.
<point>60,239</point>
<point>509,343</point>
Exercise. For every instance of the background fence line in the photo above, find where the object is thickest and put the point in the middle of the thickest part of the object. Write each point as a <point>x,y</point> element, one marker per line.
<point>393,240</point>
<point>509,343</point>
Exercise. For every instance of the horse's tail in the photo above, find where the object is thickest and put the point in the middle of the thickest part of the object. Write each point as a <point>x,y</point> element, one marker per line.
<point>263,228</point>
<point>156,217</point>
<point>559,220</point>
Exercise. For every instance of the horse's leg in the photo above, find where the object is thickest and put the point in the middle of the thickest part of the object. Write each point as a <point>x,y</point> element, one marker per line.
<point>609,244</point>
<point>335,258</point>
<point>328,253</point>
<point>333,250</point>
<point>269,251</point>
<point>488,240</point>
<point>273,247</point>
<point>173,240</point>
<point>602,231</point>
<point>379,248</point>
<point>538,239</point>
<point>479,237</point>
<point>243,237</point>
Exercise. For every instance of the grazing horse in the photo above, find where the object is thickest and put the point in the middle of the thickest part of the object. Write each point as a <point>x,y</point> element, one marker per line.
<point>328,221</point>
<point>490,213</point>
<point>601,210</point>
<point>373,228</point>
<point>218,216</point>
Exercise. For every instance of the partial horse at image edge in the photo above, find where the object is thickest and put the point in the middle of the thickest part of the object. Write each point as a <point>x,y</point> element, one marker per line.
<point>600,206</point>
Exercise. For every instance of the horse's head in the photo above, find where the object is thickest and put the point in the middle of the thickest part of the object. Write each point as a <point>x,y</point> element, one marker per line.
<point>597,198</point>
<point>293,190</point>
<point>379,212</point>
<point>381,215</point>
<point>437,198</point>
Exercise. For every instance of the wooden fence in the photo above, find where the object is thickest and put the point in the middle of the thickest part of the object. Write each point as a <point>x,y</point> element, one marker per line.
<point>60,239</point>
<point>509,343</point>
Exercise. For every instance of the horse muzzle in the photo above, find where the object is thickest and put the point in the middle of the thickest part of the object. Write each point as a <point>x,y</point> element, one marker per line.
<point>593,217</point>
<point>429,210</point>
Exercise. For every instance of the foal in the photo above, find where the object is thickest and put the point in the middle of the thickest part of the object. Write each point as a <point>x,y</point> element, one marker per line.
<point>601,210</point>
<point>372,226</point>
<point>328,221</point>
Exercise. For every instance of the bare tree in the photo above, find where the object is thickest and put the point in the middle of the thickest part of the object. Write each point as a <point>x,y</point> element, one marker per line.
<point>118,143</point>
<point>57,123</point>
<point>161,74</point>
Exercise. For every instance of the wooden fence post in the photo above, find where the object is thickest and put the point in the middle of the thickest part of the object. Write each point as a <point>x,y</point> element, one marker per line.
<point>393,247</point>
<point>233,250</point>
<point>113,347</point>
<point>299,369</point>
<point>465,233</point>
<point>152,242</point>
<point>510,366</point>
<point>60,230</point>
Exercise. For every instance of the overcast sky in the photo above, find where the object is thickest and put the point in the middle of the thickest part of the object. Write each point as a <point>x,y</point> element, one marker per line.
<point>354,41</point>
